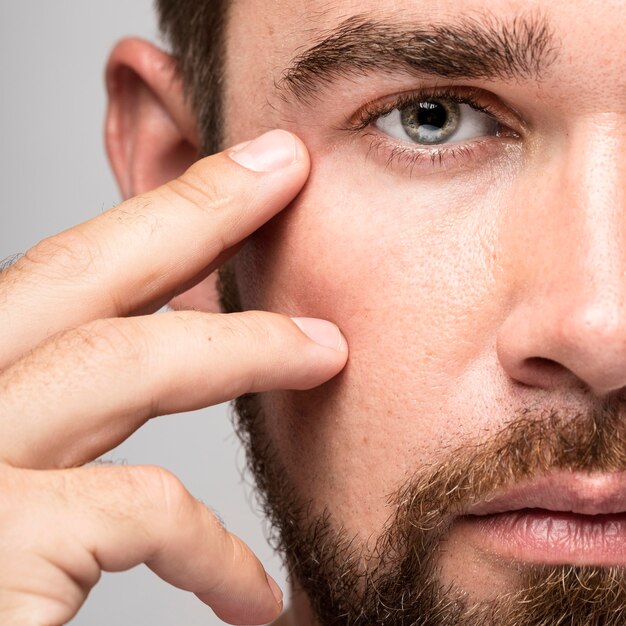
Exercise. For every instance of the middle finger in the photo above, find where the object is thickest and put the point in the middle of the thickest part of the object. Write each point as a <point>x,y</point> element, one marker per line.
<point>83,392</point>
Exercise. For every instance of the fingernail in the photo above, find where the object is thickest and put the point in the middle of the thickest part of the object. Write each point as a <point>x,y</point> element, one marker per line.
<point>322,332</point>
<point>278,594</point>
<point>267,153</point>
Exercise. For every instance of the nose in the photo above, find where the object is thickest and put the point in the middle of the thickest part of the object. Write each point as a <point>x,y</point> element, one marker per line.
<point>565,260</point>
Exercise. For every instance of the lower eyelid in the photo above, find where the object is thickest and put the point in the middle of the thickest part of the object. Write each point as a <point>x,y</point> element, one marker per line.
<point>405,157</point>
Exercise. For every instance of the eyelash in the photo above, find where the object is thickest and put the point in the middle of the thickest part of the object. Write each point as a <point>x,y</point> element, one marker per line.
<point>439,157</point>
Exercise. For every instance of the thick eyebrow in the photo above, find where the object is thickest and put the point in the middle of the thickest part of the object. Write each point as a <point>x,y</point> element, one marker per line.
<point>483,47</point>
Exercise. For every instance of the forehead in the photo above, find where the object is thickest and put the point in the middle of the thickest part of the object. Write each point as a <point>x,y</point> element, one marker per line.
<point>264,37</point>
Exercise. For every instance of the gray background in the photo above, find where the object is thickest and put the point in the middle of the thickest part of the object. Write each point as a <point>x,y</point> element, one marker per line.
<point>54,174</point>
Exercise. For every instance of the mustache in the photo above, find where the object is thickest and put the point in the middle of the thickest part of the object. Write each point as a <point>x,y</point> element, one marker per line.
<point>534,443</point>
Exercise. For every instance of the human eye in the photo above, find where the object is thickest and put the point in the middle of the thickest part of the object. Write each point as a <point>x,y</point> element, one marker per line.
<point>438,127</point>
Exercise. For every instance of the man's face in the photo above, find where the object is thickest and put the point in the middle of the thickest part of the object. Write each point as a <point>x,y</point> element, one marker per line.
<point>471,249</point>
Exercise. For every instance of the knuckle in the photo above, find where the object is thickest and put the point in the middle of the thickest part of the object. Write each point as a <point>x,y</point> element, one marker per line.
<point>106,339</point>
<point>68,255</point>
<point>163,489</point>
<point>36,584</point>
<point>200,189</point>
<point>215,519</point>
<point>242,556</point>
<point>240,553</point>
<point>38,593</point>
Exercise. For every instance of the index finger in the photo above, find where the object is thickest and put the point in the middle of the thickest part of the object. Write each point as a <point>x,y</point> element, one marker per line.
<point>145,251</point>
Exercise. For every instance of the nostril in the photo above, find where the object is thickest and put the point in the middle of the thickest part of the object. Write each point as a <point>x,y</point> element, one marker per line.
<point>547,373</point>
<point>543,365</point>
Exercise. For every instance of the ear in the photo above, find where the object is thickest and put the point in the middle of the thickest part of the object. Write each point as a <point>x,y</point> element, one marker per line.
<point>151,133</point>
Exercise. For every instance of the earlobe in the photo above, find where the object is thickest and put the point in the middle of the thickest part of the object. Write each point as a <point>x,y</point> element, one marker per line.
<point>150,131</point>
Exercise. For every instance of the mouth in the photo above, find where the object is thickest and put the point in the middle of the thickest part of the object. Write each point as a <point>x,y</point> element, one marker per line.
<point>560,518</point>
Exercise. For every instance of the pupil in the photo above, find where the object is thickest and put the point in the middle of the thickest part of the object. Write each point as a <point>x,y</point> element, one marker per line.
<point>432,114</point>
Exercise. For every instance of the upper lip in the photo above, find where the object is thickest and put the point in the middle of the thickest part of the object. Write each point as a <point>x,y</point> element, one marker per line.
<point>561,491</point>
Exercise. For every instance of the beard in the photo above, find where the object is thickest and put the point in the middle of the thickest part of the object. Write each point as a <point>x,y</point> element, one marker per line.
<point>398,581</point>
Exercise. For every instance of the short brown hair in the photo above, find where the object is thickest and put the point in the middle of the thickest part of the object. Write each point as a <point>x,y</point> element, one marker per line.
<point>195,31</point>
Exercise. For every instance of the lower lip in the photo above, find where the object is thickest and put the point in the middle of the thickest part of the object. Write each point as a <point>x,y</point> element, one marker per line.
<point>548,537</point>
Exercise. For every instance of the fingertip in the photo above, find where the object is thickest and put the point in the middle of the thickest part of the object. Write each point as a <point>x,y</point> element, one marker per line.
<point>246,593</point>
<point>276,590</point>
<point>270,152</point>
<point>302,152</point>
<point>252,611</point>
<point>322,332</point>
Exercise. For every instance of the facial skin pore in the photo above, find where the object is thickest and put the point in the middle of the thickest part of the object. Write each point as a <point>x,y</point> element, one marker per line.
<point>473,287</point>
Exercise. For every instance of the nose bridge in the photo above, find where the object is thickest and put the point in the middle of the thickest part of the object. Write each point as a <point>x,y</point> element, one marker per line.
<point>575,227</point>
<point>593,201</point>
<point>571,263</point>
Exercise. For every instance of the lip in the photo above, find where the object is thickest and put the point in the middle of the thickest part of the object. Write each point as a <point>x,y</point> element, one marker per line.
<point>559,518</point>
<point>564,492</point>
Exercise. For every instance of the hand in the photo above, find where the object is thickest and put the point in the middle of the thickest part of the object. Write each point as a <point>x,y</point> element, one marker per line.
<point>82,366</point>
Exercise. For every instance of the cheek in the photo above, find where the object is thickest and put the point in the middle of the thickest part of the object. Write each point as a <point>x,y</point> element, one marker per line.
<point>405,269</point>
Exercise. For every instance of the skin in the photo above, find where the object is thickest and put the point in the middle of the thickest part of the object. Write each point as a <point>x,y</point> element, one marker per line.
<point>480,302</point>
<point>465,295</point>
